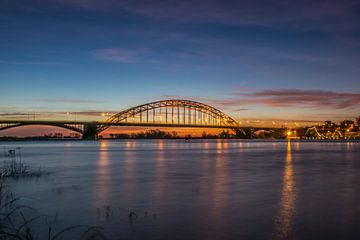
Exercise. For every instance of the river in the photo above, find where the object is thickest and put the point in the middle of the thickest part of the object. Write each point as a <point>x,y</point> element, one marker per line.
<point>195,189</point>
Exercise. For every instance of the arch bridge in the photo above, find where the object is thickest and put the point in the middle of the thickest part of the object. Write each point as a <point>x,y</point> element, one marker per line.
<point>165,113</point>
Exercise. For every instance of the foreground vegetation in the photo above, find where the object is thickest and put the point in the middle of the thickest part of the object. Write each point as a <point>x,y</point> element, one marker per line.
<point>17,221</point>
<point>15,167</point>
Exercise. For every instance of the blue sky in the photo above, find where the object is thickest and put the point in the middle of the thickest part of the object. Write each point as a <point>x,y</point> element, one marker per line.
<point>252,59</point>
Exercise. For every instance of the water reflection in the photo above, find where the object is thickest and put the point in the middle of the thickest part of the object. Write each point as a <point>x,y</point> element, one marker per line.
<point>349,193</point>
<point>200,189</point>
<point>159,184</point>
<point>219,187</point>
<point>206,147</point>
<point>103,176</point>
<point>129,169</point>
<point>284,224</point>
<point>221,146</point>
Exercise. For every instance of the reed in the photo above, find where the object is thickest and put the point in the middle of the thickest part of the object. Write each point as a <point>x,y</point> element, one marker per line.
<point>17,221</point>
<point>16,225</point>
<point>15,167</point>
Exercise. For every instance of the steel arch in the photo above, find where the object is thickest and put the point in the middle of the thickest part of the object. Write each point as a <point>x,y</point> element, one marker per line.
<point>66,126</point>
<point>221,118</point>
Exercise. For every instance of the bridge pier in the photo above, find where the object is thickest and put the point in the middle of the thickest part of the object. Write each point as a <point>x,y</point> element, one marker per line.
<point>90,131</point>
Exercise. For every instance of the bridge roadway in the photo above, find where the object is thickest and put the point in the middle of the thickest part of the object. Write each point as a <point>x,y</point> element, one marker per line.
<point>178,113</point>
<point>90,130</point>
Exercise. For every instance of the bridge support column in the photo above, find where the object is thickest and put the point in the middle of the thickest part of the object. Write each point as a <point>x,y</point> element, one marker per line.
<point>90,131</point>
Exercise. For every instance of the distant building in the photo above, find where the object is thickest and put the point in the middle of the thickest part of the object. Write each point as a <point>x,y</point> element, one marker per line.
<point>346,124</point>
<point>329,125</point>
<point>357,121</point>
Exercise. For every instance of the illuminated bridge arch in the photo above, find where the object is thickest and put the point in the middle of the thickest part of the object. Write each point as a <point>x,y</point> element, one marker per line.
<point>165,113</point>
<point>173,113</point>
<point>74,127</point>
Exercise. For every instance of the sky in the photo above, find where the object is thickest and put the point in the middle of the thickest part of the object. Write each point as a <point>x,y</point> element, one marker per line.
<point>256,60</point>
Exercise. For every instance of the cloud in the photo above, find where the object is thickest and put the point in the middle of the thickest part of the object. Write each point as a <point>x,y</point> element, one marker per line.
<point>121,55</point>
<point>283,98</point>
<point>14,114</point>
<point>93,113</point>
<point>305,14</point>
<point>300,98</point>
<point>27,115</point>
<point>327,15</point>
<point>200,99</point>
<point>55,115</point>
<point>67,100</point>
<point>241,109</point>
<point>17,115</point>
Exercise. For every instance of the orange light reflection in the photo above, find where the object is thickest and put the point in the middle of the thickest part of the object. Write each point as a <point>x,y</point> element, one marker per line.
<point>103,176</point>
<point>284,224</point>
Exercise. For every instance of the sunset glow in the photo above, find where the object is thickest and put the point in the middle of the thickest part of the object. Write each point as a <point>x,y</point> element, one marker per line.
<point>287,67</point>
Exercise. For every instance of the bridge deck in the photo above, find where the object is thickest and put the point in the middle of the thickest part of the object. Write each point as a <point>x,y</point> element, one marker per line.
<point>135,124</point>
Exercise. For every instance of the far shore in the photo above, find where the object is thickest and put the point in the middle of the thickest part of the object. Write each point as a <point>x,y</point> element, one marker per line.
<point>32,139</point>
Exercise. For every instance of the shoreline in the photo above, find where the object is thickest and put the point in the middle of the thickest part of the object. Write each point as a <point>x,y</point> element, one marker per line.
<point>171,139</point>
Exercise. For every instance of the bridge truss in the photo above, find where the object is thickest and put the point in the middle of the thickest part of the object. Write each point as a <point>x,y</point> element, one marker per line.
<point>165,113</point>
<point>177,113</point>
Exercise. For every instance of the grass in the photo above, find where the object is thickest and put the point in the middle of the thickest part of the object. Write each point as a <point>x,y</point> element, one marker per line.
<point>15,166</point>
<point>17,221</point>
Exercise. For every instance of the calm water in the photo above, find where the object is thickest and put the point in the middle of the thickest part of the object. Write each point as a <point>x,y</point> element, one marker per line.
<point>197,189</point>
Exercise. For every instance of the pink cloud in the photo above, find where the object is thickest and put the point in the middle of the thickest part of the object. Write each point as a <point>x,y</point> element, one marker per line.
<point>315,99</point>
<point>302,98</point>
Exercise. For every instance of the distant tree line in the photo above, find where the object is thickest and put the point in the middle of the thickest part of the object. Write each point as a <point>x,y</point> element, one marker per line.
<point>158,134</point>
